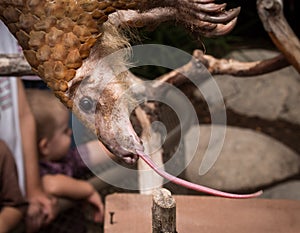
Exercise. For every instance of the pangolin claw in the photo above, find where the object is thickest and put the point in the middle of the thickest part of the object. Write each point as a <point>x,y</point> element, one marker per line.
<point>223,17</point>
<point>210,7</point>
<point>219,29</point>
<point>204,1</point>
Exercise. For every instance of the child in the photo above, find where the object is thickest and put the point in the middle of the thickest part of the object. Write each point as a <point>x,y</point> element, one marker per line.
<point>60,168</point>
<point>12,203</point>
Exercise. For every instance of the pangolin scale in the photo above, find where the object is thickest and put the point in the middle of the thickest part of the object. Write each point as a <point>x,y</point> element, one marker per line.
<point>56,36</point>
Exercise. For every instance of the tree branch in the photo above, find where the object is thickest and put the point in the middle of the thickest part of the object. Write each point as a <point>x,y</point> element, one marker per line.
<point>223,67</point>
<point>241,69</point>
<point>271,15</point>
<point>14,65</point>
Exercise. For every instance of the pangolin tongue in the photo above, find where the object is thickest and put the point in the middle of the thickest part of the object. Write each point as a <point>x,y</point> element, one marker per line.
<point>190,185</point>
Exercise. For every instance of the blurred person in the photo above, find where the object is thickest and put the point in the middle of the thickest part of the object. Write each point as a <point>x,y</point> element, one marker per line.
<point>17,130</point>
<point>61,167</point>
<point>12,203</point>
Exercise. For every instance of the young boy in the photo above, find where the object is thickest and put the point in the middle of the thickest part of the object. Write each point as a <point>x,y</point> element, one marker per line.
<point>12,203</point>
<point>61,168</point>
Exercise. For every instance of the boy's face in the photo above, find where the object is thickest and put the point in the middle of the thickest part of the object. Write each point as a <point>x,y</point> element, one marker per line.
<point>59,144</point>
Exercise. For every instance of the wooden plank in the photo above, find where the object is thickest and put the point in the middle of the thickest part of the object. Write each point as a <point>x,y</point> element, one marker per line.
<point>132,213</point>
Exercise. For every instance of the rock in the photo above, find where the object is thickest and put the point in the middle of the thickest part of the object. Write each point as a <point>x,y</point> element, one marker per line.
<point>247,160</point>
<point>286,190</point>
<point>271,96</point>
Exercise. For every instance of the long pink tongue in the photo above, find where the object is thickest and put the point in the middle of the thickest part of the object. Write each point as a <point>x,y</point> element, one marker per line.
<point>190,185</point>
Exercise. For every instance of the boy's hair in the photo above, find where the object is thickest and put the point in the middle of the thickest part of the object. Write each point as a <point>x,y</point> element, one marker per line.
<point>46,108</point>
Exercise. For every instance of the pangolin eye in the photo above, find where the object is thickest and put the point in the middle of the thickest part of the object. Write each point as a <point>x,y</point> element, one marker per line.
<point>86,104</point>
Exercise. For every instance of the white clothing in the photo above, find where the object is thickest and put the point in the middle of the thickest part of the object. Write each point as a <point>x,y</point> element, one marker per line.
<point>9,114</point>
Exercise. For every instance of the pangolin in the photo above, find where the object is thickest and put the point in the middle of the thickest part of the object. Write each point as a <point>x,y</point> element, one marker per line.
<point>65,42</point>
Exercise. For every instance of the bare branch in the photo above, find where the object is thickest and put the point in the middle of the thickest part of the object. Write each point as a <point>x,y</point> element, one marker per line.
<point>238,68</point>
<point>14,65</point>
<point>271,15</point>
<point>222,66</point>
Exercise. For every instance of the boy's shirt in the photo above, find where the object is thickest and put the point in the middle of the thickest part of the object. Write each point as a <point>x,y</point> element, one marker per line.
<point>71,165</point>
<point>72,220</point>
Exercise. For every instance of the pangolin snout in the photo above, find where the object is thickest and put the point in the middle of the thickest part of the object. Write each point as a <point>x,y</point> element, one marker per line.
<point>118,134</point>
<point>126,150</point>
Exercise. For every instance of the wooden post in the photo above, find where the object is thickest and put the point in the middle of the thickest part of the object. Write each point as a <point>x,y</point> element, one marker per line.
<point>163,212</point>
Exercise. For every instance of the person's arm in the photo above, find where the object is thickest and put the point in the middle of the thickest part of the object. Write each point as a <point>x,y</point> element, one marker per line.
<point>65,186</point>
<point>68,187</point>
<point>28,134</point>
<point>9,218</point>
<point>34,191</point>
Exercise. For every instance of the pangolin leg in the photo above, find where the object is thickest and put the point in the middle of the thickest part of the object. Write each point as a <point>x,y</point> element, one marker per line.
<point>154,17</point>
